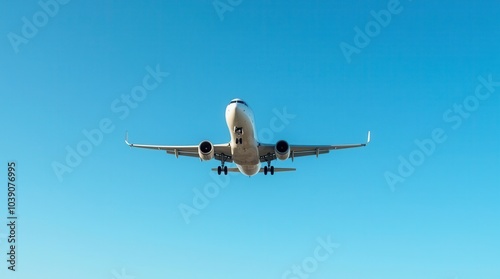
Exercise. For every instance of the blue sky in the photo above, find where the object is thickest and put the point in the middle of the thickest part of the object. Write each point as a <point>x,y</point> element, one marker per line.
<point>429,74</point>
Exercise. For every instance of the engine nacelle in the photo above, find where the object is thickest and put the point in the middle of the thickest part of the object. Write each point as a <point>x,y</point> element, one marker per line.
<point>206,150</point>
<point>282,150</point>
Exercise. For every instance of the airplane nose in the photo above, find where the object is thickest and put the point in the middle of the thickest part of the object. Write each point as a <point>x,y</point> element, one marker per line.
<point>239,108</point>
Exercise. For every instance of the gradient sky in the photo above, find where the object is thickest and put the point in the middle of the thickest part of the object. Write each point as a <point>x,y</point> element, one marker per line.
<point>116,214</point>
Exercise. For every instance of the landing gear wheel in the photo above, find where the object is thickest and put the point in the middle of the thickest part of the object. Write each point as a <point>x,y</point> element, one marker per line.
<point>222,168</point>
<point>272,170</point>
<point>265,170</point>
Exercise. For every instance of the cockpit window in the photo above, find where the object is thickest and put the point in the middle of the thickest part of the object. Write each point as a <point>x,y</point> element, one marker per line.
<point>239,101</point>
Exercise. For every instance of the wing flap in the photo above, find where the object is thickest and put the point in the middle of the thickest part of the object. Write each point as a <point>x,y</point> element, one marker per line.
<point>309,153</point>
<point>183,153</point>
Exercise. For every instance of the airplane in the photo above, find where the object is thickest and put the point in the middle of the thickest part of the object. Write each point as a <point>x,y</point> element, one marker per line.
<point>244,149</point>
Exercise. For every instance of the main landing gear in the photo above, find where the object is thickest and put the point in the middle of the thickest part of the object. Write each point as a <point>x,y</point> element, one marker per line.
<point>222,168</point>
<point>269,168</point>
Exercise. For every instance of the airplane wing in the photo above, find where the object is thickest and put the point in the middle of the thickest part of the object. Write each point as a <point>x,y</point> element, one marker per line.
<point>267,151</point>
<point>220,150</point>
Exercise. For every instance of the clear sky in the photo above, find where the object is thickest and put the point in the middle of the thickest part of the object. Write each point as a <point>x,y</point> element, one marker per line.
<point>420,201</point>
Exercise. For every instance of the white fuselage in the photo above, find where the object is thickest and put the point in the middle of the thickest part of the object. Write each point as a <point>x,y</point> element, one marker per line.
<point>241,125</point>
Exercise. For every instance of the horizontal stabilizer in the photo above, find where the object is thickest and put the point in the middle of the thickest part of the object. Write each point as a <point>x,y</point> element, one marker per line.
<point>280,169</point>
<point>229,169</point>
<point>261,169</point>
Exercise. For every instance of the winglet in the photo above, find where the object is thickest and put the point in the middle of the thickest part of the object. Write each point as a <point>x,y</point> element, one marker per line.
<point>368,139</point>
<point>126,139</point>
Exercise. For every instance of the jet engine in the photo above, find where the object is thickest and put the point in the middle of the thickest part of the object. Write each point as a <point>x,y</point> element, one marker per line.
<point>282,150</point>
<point>206,150</point>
